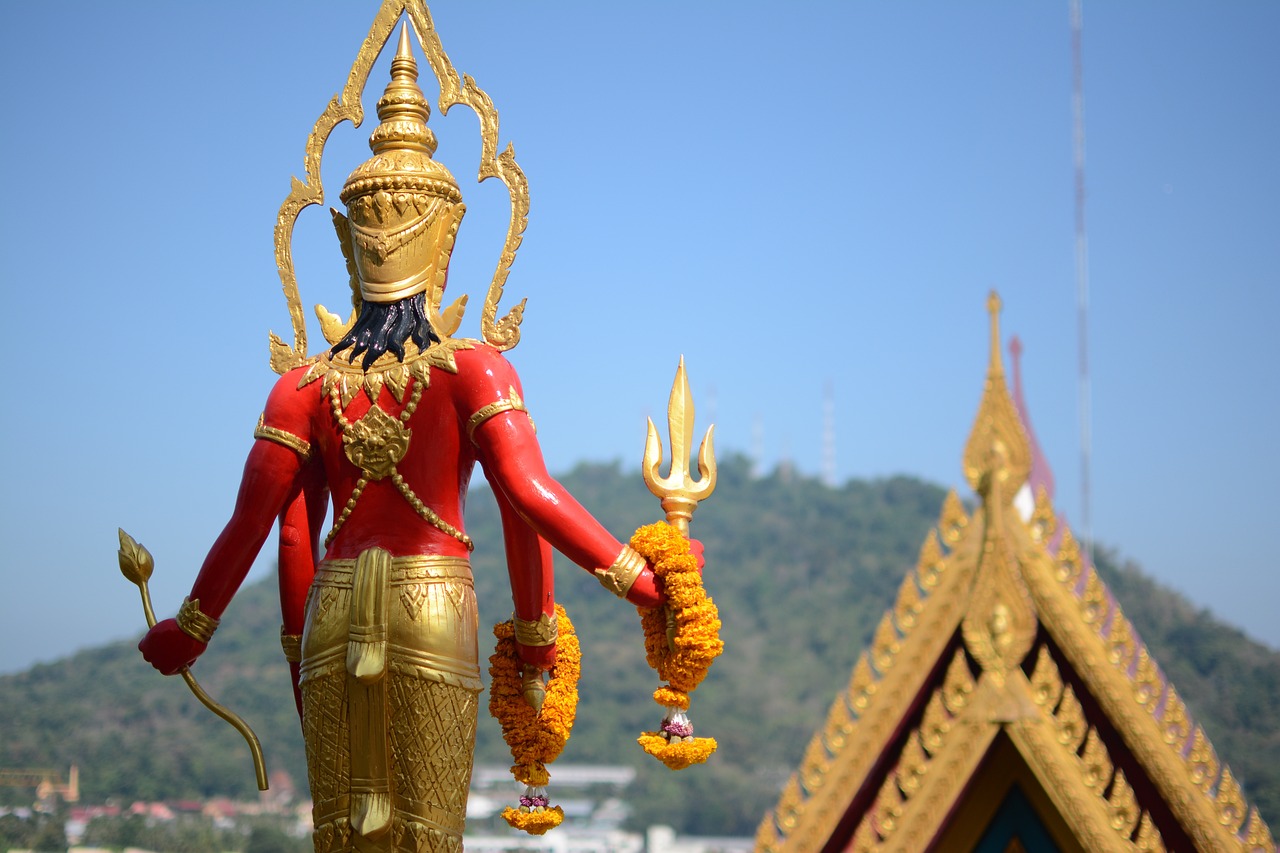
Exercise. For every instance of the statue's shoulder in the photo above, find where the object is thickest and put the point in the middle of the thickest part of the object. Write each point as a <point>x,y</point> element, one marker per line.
<point>484,384</point>
<point>295,384</point>
<point>478,356</point>
<point>292,395</point>
<point>288,413</point>
<point>481,367</point>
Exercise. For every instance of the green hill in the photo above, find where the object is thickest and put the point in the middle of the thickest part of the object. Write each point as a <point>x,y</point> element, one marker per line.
<point>801,573</point>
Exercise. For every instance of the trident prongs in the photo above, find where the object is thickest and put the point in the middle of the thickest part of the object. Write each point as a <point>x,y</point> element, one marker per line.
<point>678,491</point>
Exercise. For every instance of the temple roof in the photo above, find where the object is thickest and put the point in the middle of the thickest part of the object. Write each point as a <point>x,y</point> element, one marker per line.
<point>1006,676</point>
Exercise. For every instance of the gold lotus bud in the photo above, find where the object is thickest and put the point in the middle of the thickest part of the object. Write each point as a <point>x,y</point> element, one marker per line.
<point>533,688</point>
<point>136,562</point>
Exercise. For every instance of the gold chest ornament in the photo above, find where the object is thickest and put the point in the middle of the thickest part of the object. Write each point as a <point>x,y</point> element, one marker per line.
<point>376,443</point>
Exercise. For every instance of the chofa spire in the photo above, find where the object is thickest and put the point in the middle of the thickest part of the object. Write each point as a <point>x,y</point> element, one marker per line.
<point>997,448</point>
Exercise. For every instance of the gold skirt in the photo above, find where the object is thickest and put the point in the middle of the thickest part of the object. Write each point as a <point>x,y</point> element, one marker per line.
<point>390,681</point>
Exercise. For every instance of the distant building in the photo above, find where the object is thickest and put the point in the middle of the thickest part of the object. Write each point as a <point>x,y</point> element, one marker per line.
<point>595,805</point>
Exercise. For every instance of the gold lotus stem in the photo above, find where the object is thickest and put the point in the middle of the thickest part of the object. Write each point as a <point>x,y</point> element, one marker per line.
<point>678,491</point>
<point>136,564</point>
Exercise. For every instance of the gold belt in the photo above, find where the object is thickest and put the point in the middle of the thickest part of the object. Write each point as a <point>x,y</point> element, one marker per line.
<point>414,568</point>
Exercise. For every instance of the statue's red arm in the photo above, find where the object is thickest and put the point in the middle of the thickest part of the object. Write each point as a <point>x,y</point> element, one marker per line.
<point>270,474</point>
<point>299,553</point>
<point>508,450</point>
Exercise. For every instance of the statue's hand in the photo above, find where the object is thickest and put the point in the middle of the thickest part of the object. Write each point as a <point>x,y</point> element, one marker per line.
<point>168,648</point>
<point>695,545</point>
<point>540,657</point>
<point>535,662</point>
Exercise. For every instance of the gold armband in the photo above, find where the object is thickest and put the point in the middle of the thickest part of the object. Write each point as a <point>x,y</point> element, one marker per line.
<point>292,645</point>
<point>619,577</point>
<point>512,404</point>
<point>279,436</point>
<point>196,625</point>
<point>535,632</point>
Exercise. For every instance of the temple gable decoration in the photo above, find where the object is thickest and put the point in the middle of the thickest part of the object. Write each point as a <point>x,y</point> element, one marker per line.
<point>1006,701</point>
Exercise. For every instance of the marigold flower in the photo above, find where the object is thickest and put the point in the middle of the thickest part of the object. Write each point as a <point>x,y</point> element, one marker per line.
<point>677,756</point>
<point>533,822</point>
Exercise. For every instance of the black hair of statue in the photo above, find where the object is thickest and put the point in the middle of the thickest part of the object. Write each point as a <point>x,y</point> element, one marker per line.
<point>383,326</point>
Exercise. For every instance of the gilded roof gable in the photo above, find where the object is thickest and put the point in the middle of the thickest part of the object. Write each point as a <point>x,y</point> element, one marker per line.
<point>1005,660</point>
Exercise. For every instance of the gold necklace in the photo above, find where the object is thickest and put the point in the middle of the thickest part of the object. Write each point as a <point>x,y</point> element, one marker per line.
<point>375,444</point>
<point>388,371</point>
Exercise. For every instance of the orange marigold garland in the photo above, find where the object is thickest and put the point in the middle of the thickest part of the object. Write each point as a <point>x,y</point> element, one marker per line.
<point>535,738</point>
<point>681,640</point>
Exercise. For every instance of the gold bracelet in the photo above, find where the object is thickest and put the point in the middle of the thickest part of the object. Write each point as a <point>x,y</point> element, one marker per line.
<point>535,632</point>
<point>195,624</point>
<point>292,645</point>
<point>620,577</point>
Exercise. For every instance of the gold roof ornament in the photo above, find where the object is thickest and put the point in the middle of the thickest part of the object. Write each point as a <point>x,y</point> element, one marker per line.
<point>406,252</point>
<point>1006,669</point>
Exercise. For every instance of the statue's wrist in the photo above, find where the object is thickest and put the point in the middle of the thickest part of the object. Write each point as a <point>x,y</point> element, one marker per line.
<point>622,574</point>
<point>645,592</point>
<point>196,624</point>
<point>291,645</point>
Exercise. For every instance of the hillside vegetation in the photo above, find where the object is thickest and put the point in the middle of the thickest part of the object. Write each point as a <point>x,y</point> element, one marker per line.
<point>801,573</point>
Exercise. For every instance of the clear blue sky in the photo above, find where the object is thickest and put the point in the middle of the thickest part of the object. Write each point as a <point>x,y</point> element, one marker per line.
<point>787,194</point>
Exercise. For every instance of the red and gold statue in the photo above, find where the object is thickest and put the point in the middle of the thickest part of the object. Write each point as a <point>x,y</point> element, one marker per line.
<point>380,621</point>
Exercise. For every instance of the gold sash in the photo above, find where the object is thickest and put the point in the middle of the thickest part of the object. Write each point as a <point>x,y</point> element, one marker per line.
<point>390,668</point>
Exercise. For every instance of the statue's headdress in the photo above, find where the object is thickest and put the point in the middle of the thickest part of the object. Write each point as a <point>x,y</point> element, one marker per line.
<point>403,207</point>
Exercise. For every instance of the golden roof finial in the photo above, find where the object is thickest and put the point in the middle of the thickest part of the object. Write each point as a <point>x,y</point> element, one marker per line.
<point>1000,625</point>
<point>997,447</point>
<point>996,367</point>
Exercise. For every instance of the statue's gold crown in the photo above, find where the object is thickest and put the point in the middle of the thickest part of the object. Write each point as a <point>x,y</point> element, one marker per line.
<point>404,208</point>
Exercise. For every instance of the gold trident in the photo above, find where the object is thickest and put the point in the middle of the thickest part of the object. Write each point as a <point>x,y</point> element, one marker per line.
<point>678,491</point>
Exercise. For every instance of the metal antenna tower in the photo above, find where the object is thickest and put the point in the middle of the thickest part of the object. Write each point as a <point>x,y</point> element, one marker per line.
<point>757,447</point>
<point>829,434</point>
<point>1085,394</point>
